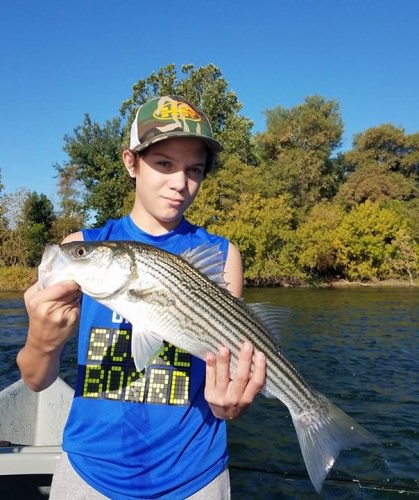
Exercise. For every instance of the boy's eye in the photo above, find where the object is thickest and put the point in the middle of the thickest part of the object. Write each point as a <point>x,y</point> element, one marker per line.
<point>196,170</point>
<point>164,163</point>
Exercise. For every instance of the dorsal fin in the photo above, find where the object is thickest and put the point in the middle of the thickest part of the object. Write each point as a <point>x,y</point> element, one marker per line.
<point>272,318</point>
<point>209,260</point>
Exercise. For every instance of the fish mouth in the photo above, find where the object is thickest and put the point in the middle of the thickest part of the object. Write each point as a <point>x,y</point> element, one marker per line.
<point>52,263</point>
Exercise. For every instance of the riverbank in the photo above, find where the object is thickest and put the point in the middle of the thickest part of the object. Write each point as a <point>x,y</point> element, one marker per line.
<point>391,283</point>
<point>20,278</point>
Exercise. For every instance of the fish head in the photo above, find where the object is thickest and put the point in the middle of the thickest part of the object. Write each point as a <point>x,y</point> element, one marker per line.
<point>100,268</point>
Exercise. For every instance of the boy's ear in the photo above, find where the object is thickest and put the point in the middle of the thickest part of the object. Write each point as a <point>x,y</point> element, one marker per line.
<point>128,157</point>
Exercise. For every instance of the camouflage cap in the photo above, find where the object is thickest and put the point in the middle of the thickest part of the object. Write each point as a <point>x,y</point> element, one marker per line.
<point>167,117</point>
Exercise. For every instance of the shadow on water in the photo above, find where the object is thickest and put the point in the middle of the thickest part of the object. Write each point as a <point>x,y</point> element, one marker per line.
<point>357,346</point>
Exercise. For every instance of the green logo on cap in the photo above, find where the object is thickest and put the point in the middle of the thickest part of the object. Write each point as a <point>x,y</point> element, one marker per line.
<point>176,110</point>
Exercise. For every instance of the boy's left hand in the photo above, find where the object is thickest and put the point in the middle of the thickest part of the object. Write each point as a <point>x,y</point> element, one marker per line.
<point>229,398</point>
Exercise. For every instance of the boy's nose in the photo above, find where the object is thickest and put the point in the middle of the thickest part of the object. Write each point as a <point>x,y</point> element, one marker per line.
<point>178,180</point>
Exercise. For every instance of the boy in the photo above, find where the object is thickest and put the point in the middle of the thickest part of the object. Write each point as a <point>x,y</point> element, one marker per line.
<point>161,433</point>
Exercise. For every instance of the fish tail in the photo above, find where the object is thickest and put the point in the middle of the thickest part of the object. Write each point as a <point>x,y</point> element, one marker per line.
<point>322,433</point>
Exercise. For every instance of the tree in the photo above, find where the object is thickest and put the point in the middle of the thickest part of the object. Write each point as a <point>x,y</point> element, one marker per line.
<point>205,87</point>
<point>408,212</point>
<point>38,209</point>
<point>297,150</point>
<point>13,206</point>
<point>94,151</point>
<point>365,242</point>
<point>406,261</point>
<point>95,164</point>
<point>3,220</point>
<point>70,191</point>
<point>37,223</point>
<point>372,182</point>
<point>262,229</point>
<point>223,188</point>
<point>316,240</point>
<point>388,147</point>
<point>71,216</point>
<point>1,194</point>
<point>13,250</point>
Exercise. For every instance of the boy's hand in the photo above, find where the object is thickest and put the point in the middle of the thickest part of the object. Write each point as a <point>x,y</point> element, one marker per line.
<point>229,398</point>
<point>53,313</point>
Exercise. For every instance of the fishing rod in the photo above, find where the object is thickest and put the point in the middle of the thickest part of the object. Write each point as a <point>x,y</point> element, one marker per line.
<point>346,481</point>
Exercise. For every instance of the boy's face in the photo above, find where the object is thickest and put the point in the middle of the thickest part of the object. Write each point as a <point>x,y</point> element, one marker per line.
<point>168,177</point>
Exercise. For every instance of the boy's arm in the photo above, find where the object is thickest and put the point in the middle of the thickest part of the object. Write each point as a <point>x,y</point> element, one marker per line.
<point>53,318</point>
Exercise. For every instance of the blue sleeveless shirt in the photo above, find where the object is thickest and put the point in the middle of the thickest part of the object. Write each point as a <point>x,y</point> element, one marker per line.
<point>141,435</point>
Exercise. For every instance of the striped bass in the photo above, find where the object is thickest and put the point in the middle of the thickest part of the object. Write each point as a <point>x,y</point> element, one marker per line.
<point>183,300</point>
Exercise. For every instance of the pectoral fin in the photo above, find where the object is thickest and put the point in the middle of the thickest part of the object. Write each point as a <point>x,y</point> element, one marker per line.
<point>144,345</point>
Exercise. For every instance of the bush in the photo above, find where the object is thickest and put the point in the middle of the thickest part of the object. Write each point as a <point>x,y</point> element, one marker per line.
<point>17,277</point>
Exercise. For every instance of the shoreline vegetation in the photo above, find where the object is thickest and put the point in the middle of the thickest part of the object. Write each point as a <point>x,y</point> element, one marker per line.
<point>302,211</point>
<point>16,279</point>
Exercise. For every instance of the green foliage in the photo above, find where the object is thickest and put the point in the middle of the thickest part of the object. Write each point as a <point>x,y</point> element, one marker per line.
<point>13,248</point>
<point>406,260</point>
<point>3,220</point>
<point>36,237</point>
<point>95,162</point>
<point>297,151</point>
<point>409,212</point>
<point>387,146</point>
<point>385,166</point>
<point>262,229</point>
<point>38,209</point>
<point>206,87</point>
<point>313,126</point>
<point>316,240</point>
<point>297,208</point>
<point>373,183</point>
<point>38,219</point>
<point>94,151</point>
<point>367,242</point>
<point>16,277</point>
<point>224,188</point>
<point>31,219</point>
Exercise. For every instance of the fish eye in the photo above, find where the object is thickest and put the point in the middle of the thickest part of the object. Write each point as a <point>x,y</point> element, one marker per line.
<point>80,251</point>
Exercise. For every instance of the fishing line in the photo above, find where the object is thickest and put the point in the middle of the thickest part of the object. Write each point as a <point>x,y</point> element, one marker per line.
<point>361,483</point>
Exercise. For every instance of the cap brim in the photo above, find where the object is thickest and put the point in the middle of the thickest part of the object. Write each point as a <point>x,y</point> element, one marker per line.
<point>213,145</point>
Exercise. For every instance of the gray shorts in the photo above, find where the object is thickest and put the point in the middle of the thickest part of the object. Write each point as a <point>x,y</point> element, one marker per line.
<point>68,485</point>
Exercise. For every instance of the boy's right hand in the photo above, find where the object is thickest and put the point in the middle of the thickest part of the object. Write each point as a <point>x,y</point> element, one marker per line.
<point>53,313</point>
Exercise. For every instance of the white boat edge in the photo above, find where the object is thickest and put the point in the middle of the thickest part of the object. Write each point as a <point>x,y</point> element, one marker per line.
<point>31,427</point>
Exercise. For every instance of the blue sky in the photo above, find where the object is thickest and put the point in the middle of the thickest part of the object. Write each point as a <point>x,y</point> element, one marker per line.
<point>62,58</point>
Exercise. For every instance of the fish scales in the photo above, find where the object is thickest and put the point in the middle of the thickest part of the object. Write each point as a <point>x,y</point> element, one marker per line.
<point>182,290</point>
<point>186,285</point>
<point>167,298</point>
<point>192,299</point>
<point>221,313</point>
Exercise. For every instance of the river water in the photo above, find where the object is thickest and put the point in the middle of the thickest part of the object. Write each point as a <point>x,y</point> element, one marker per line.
<point>359,347</point>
